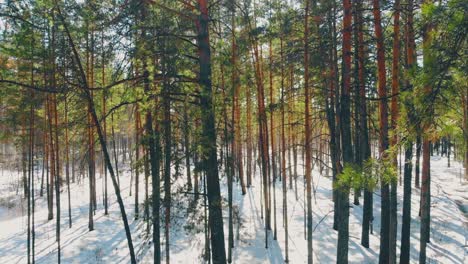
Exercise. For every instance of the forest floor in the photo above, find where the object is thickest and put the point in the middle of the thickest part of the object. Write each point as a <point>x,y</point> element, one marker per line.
<point>107,243</point>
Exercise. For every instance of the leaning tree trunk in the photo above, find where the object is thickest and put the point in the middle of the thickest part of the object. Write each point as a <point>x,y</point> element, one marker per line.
<point>86,92</point>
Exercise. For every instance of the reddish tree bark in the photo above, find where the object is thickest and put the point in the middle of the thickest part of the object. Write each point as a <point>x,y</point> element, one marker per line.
<point>383,133</point>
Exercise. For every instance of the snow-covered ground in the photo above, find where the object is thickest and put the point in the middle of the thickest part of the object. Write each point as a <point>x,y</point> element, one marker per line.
<point>107,243</point>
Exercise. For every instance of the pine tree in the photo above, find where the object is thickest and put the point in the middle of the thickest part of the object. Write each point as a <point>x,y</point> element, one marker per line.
<point>307,131</point>
<point>209,158</point>
<point>408,170</point>
<point>383,134</point>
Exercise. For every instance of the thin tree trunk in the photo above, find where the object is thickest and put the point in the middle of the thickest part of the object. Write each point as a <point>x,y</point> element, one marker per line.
<point>229,135</point>
<point>32,142</point>
<point>50,192</point>
<point>52,161</point>
<point>263,133</point>
<point>272,139</point>
<point>307,131</point>
<point>57,179</point>
<point>290,142</point>
<point>44,152</point>
<point>187,144</point>
<point>227,158</point>
<point>147,172</point>
<point>448,152</point>
<point>283,159</point>
<point>465,129</point>
<point>114,149</point>
<point>29,144</point>
<point>104,123</point>
<point>249,135</point>
<point>167,165</point>
<point>237,150</point>
<point>90,134</point>
<point>67,163</point>
<point>418,159</point>
<point>137,158</point>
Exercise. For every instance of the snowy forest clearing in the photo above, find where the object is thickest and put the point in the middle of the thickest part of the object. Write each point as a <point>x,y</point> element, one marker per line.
<point>107,244</point>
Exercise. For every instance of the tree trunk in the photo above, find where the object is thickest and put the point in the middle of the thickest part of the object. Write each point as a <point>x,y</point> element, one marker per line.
<point>155,156</point>
<point>357,98</point>
<point>406,218</point>
<point>67,163</point>
<point>383,134</point>
<point>29,189</point>
<point>45,157</point>
<point>114,149</point>
<point>147,174</point>
<point>418,159</point>
<point>209,159</point>
<point>307,131</point>
<point>31,144</point>
<point>283,160</point>
<point>272,139</point>
<point>290,131</point>
<point>137,158</point>
<point>154,147</point>
<point>263,134</point>
<point>167,164</point>
<point>426,148</point>
<point>86,93</point>
<point>465,131</point>
<point>425,200</point>
<point>230,171</point>
<point>237,150</point>
<point>249,136</point>
<point>408,170</point>
<point>57,179</point>
<point>187,144</point>
<point>104,126</point>
<point>394,120</point>
<point>362,126</point>
<point>50,192</point>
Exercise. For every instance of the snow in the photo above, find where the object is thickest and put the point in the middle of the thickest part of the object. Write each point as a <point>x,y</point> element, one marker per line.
<point>107,243</point>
